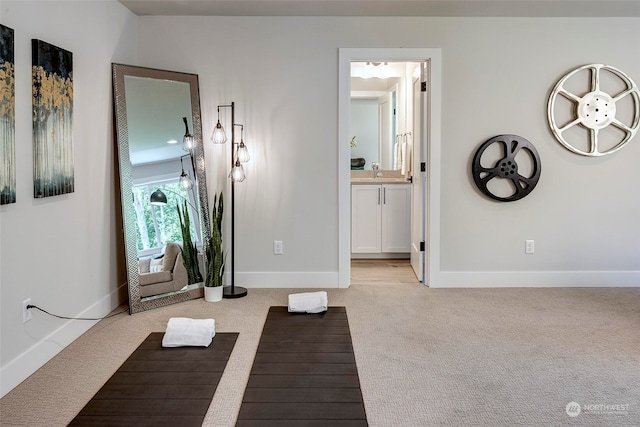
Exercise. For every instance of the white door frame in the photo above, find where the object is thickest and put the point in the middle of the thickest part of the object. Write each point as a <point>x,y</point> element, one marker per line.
<point>418,147</point>
<point>432,226</point>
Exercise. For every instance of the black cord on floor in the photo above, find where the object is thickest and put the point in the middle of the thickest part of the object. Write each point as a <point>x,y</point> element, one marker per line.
<point>76,318</point>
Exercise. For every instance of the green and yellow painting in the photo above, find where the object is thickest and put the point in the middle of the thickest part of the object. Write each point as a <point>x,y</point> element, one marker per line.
<point>52,101</point>
<point>7,118</point>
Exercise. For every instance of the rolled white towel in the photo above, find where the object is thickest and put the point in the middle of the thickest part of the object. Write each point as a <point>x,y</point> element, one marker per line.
<point>183,331</point>
<point>308,302</point>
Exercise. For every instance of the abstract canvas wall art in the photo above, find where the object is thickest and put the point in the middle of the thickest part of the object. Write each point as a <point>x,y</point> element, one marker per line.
<point>7,118</point>
<point>52,102</point>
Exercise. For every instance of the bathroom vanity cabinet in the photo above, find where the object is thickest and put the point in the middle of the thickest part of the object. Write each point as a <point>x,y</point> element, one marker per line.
<point>380,218</point>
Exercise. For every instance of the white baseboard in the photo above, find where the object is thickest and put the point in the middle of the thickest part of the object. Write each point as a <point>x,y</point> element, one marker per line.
<point>538,279</point>
<point>20,368</point>
<point>455,279</point>
<point>385,255</point>
<point>288,280</point>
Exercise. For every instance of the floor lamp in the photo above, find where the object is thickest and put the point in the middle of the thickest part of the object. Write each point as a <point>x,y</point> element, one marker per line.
<point>239,155</point>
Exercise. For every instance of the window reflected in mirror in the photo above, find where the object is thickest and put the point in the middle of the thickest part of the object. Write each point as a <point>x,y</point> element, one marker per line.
<point>159,225</point>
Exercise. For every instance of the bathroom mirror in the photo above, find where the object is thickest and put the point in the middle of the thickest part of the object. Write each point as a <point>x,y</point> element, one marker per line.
<point>154,111</point>
<point>379,112</point>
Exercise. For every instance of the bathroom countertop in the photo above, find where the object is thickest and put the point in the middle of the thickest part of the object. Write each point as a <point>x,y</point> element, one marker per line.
<point>379,180</point>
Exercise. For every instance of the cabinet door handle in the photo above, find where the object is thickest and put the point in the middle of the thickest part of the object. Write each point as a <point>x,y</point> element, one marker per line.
<point>378,196</point>
<point>384,195</point>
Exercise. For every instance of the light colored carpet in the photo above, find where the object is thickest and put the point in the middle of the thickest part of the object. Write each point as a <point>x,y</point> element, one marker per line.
<point>426,357</point>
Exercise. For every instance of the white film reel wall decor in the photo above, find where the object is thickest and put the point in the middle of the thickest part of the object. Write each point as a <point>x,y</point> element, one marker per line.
<point>607,107</point>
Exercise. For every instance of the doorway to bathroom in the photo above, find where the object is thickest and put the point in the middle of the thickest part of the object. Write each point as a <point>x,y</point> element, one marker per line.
<point>382,272</point>
<point>386,226</point>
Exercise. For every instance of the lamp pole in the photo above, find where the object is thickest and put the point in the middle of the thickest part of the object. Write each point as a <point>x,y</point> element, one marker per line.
<point>233,291</point>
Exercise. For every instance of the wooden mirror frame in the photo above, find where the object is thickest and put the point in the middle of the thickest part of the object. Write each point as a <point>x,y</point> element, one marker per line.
<point>120,71</point>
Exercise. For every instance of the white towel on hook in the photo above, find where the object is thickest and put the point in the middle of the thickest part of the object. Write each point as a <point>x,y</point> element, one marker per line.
<point>183,331</point>
<point>407,154</point>
<point>308,302</point>
<point>404,157</point>
<point>397,152</point>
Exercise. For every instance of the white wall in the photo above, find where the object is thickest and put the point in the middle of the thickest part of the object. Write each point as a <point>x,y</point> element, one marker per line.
<point>497,75</point>
<point>63,252</point>
<point>292,177</point>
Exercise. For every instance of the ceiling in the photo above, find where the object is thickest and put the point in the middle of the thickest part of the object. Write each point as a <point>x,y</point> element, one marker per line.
<point>479,8</point>
<point>155,108</point>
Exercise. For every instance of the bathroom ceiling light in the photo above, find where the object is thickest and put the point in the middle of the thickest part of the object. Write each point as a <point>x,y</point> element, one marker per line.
<point>383,71</point>
<point>378,70</point>
<point>367,71</point>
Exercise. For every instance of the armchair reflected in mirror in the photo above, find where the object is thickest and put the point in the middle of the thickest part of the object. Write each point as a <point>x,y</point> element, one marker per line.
<point>155,110</point>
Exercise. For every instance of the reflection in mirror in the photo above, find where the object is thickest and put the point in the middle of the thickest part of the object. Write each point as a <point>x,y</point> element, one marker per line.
<point>379,113</point>
<point>162,180</point>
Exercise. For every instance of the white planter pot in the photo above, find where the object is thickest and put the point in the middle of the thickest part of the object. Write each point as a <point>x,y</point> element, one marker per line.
<point>213,293</point>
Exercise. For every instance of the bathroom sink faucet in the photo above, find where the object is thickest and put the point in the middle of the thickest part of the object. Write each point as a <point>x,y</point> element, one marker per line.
<point>377,172</point>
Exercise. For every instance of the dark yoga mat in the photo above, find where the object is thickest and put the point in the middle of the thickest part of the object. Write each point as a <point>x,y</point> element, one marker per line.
<point>304,373</point>
<point>159,386</point>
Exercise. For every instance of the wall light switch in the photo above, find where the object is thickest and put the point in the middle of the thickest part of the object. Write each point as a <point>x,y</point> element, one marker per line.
<point>529,246</point>
<point>277,247</point>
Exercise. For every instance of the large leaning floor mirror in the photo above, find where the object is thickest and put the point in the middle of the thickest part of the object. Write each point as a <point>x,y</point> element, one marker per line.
<point>162,183</point>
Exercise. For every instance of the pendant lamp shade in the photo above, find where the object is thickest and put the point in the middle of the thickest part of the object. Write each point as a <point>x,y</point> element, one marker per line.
<point>237,172</point>
<point>219,135</point>
<point>158,198</point>
<point>185,181</point>
<point>187,143</point>
<point>187,139</point>
<point>243,153</point>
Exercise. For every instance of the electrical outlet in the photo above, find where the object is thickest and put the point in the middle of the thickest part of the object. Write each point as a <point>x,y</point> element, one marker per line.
<point>26,312</point>
<point>529,246</point>
<point>277,247</point>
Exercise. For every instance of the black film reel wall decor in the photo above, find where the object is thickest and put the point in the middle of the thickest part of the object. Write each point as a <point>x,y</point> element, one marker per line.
<point>506,168</point>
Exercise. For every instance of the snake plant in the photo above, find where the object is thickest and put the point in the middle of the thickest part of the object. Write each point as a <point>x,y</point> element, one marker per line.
<point>215,254</point>
<point>189,249</point>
